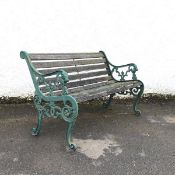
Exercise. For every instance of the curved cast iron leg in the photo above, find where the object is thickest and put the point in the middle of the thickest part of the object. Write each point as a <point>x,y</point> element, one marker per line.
<point>108,101</point>
<point>36,131</point>
<point>137,99</point>
<point>69,135</point>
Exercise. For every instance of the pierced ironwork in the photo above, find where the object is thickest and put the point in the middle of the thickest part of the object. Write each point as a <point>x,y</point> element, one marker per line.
<point>137,93</point>
<point>131,68</point>
<point>57,83</point>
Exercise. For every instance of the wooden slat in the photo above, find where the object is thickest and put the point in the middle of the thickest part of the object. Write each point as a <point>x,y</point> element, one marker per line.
<point>74,69</point>
<point>67,69</point>
<point>103,91</point>
<point>80,83</point>
<point>90,86</point>
<point>86,87</point>
<point>87,75</point>
<point>53,64</point>
<point>79,76</point>
<point>85,82</point>
<point>91,67</point>
<point>67,63</point>
<point>62,56</point>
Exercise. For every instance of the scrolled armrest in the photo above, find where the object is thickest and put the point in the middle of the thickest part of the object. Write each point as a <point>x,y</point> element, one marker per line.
<point>131,68</point>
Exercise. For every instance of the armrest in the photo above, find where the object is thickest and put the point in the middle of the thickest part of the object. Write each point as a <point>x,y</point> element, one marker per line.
<point>129,68</point>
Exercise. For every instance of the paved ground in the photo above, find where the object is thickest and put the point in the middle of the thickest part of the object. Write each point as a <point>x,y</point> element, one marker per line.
<point>112,141</point>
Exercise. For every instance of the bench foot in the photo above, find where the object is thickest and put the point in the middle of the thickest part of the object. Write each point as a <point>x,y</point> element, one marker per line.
<point>137,92</point>
<point>71,145</point>
<point>107,103</point>
<point>36,131</point>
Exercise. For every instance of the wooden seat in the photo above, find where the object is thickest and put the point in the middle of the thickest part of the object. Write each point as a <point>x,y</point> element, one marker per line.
<point>77,77</point>
<point>110,88</point>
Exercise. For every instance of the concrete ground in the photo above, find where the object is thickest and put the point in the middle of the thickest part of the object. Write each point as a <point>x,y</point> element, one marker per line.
<point>110,142</point>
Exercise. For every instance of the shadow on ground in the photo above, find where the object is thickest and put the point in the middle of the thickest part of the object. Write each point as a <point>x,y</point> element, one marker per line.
<point>111,141</point>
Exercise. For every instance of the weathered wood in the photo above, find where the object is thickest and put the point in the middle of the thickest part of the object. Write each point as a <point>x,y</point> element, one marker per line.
<point>90,86</point>
<point>87,81</point>
<point>78,76</point>
<point>90,92</point>
<point>104,91</point>
<point>50,64</point>
<point>85,87</point>
<point>74,69</point>
<point>80,83</point>
<point>63,56</point>
<point>90,67</point>
<point>67,69</point>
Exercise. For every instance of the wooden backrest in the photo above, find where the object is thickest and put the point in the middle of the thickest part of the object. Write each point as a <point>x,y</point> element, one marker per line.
<point>83,68</point>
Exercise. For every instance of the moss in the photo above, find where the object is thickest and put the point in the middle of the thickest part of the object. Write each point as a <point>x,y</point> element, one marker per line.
<point>147,98</point>
<point>16,100</point>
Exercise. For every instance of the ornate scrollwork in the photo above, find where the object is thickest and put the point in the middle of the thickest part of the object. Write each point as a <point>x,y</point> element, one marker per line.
<point>37,102</point>
<point>51,109</point>
<point>68,113</point>
<point>135,91</point>
<point>56,83</point>
<point>122,74</point>
<point>132,91</point>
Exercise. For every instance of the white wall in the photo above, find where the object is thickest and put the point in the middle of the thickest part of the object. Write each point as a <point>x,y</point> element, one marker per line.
<point>128,31</point>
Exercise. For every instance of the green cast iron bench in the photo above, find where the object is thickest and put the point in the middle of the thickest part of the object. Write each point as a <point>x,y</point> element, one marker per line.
<point>62,80</point>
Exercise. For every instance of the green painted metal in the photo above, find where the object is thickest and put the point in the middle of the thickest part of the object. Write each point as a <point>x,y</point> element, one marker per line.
<point>63,106</point>
<point>107,103</point>
<point>120,75</point>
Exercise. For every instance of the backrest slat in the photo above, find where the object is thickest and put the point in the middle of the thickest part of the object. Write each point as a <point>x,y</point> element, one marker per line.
<point>63,56</point>
<point>64,63</point>
<point>81,83</point>
<point>79,76</point>
<point>74,69</point>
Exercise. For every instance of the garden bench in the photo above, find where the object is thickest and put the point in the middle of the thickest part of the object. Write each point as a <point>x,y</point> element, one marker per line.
<point>62,80</point>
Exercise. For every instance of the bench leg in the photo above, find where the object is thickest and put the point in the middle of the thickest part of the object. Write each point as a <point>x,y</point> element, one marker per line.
<point>36,131</point>
<point>70,126</point>
<point>137,92</point>
<point>69,115</point>
<point>107,103</point>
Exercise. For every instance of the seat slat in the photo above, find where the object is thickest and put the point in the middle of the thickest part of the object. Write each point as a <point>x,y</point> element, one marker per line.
<point>64,63</point>
<point>62,56</point>
<point>83,93</point>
